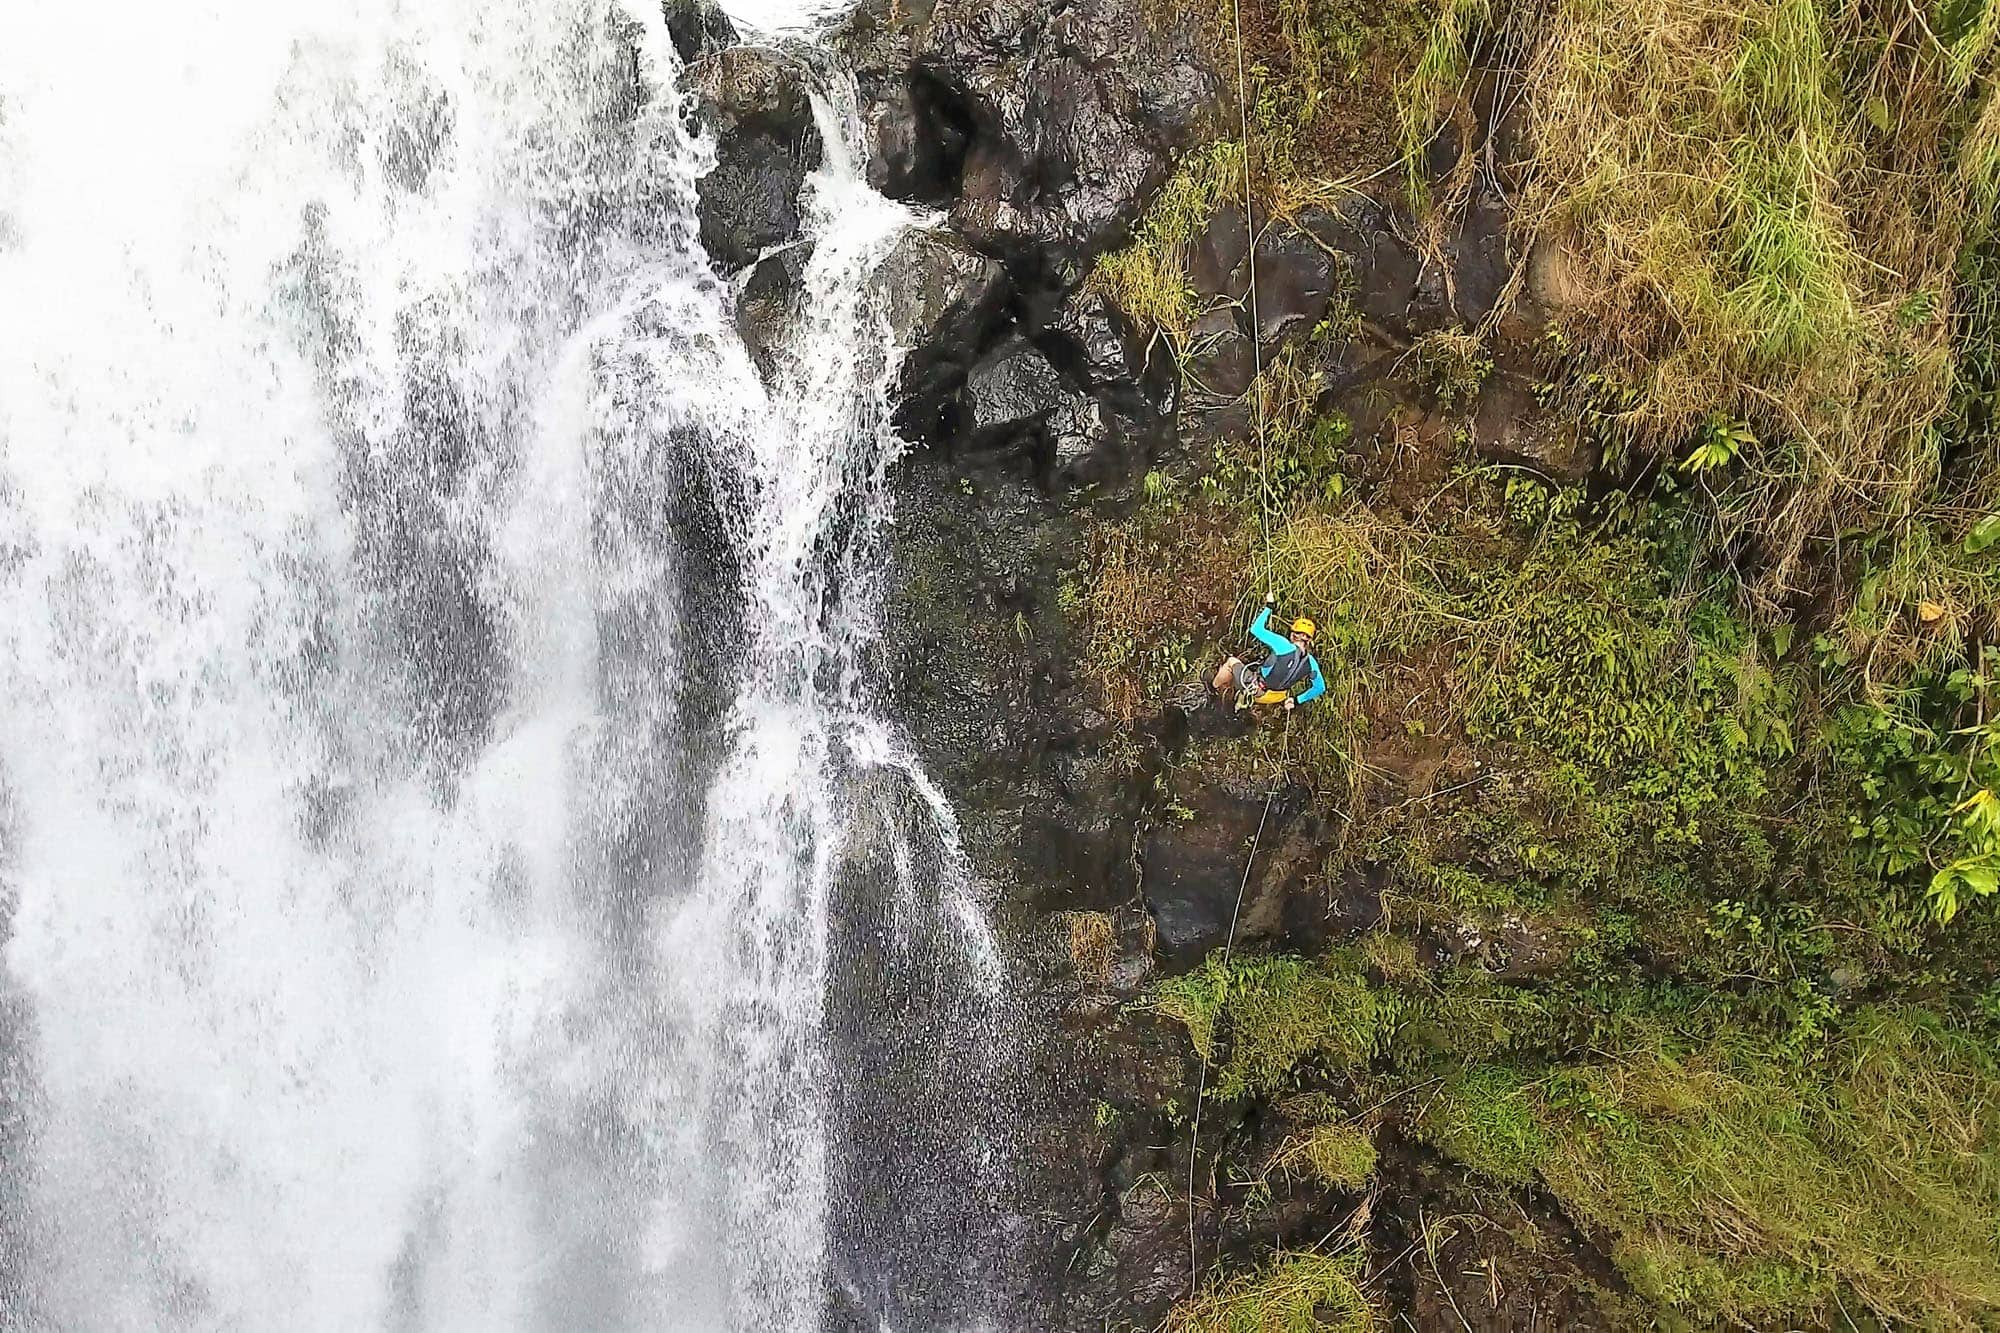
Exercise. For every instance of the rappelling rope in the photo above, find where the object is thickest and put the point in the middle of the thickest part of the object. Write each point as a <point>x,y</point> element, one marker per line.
<point>1256,324</point>
<point>1264,534</point>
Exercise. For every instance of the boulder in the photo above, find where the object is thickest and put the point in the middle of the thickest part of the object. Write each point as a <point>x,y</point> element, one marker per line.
<point>1077,434</point>
<point>1295,282</point>
<point>917,134</point>
<point>1216,260</point>
<point>1481,258</point>
<point>1101,347</point>
<point>698,28</point>
<point>1386,268</point>
<point>942,296</point>
<point>1016,398</point>
<point>917,130</point>
<point>1010,393</point>
<point>757,101</point>
<point>944,302</point>
<point>1219,360</point>
<point>1049,121</point>
<point>1395,288</point>
<point>1078,110</point>
<point>768,299</point>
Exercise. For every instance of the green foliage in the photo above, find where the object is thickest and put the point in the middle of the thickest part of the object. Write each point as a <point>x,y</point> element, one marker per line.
<point>1148,279</point>
<point>1748,1188</point>
<point>1299,465</point>
<point>1596,657</point>
<point>1259,1020</point>
<point>1926,771</point>
<point>1439,74</point>
<point>1322,75</point>
<point>1295,1291</point>
<point>1454,363</point>
<point>1485,1116</point>
<point>1717,443</point>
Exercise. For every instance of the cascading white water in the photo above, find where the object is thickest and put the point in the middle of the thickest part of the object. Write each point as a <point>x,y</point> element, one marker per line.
<point>432,668</point>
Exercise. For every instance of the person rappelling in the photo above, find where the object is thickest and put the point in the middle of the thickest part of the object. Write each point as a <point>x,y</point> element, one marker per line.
<point>1277,678</point>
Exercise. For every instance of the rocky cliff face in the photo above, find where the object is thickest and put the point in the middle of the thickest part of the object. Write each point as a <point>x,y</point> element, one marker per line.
<point>1041,129</point>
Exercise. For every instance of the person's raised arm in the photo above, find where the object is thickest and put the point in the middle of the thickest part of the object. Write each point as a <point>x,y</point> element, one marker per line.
<point>1260,629</point>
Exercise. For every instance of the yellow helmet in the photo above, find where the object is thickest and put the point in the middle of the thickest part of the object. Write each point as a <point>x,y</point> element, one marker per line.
<point>1303,626</point>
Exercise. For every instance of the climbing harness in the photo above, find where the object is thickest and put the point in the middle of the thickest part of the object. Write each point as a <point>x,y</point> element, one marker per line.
<point>1264,528</point>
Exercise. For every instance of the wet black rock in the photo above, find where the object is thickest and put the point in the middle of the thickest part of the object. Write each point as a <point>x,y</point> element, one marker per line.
<point>1219,256</point>
<point>1077,110</point>
<point>1295,280</point>
<point>1049,123</point>
<point>698,28</point>
<point>1394,287</point>
<point>768,300</point>
<point>758,102</point>
<point>1010,393</point>
<point>1193,869</point>
<point>942,294</point>
<point>1100,345</point>
<point>944,304</point>
<point>1219,362</point>
<point>916,131</point>
<point>1479,264</point>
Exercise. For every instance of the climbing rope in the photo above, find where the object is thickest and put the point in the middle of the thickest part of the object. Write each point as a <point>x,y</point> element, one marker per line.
<point>1256,324</point>
<point>1201,1084</point>
<point>1264,533</point>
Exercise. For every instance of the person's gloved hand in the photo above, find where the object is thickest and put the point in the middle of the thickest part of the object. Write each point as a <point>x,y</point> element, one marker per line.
<point>1270,599</point>
<point>1290,703</point>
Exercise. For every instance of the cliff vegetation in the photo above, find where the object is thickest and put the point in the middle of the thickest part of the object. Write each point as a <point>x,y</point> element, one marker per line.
<point>1658,605</point>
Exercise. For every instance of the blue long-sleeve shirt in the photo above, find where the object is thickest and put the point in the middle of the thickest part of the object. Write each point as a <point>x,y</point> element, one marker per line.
<point>1280,646</point>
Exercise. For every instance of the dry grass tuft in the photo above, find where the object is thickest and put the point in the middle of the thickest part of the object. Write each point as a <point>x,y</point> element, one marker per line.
<point>1092,946</point>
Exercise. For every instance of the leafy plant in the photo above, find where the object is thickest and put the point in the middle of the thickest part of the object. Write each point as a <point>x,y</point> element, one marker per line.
<point>1926,778</point>
<point>1717,443</point>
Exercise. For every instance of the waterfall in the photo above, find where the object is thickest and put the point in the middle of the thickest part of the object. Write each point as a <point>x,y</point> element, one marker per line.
<point>439,730</point>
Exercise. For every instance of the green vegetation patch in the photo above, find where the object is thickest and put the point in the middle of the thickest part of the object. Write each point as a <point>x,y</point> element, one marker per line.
<point>1296,1291</point>
<point>1761,214</point>
<point>1338,1154</point>
<point>1258,1020</point>
<point>1148,278</point>
<point>1744,1187</point>
<point>1733,1177</point>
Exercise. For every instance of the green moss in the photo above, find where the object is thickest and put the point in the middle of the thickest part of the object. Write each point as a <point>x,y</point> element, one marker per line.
<point>1746,1187</point>
<point>1486,1117</point>
<point>1259,1020</point>
<point>1299,1291</point>
<point>1340,1155</point>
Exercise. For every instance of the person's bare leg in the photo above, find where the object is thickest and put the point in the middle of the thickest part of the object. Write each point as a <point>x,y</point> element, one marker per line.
<point>1225,678</point>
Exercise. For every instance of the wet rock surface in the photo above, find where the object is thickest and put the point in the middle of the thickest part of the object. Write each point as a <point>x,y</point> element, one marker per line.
<point>1042,125</point>
<point>757,101</point>
<point>698,28</point>
<point>768,300</point>
<point>1116,853</point>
